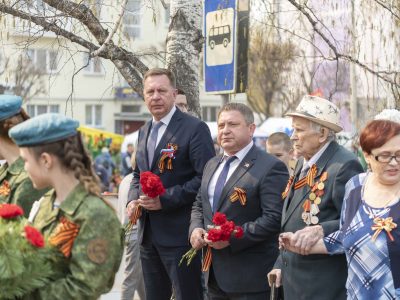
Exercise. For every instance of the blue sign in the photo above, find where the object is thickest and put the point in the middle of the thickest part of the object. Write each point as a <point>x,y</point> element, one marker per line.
<point>220,17</point>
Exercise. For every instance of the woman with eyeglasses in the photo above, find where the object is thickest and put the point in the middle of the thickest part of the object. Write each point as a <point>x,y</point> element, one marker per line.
<point>369,231</point>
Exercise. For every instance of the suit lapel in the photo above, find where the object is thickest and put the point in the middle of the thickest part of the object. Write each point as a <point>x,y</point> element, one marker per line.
<point>209,172</point>
<point>169,132</point>
<point>304,191</point>
<point>297,172</point>
<point>142,143</point>
<point>244,166</point>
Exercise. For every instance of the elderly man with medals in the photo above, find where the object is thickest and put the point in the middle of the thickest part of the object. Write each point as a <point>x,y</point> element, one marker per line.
<point>312,203</point>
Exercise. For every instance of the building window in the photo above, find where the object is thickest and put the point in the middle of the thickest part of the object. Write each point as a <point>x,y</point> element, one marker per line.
<point>209,113</point>
<point>93,115</point>
<point>130,108</point>
<point>45,61</point>
<point>39,109</point>
<point>132,18</point>
<point>94,67</point>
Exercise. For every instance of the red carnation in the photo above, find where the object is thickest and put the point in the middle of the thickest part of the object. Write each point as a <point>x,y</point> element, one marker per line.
<point>10,211</point>
<point>219,218</point>
<point>238,232</point>
<point>227,229</point>
<point>151,184</point>
<point>34,236</point>
<point>214,235</point>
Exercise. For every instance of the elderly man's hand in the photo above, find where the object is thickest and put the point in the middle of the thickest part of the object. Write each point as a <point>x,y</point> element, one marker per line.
<point>275,276</point>
<point>302,240</point>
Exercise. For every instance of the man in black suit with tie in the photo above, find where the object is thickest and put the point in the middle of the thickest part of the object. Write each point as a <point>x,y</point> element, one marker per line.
<point>239,266</point>
<point>175,146</point>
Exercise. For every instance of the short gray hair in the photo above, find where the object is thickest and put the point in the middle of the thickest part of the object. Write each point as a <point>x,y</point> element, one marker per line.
<point>318,127</point>
<point>242,108</point>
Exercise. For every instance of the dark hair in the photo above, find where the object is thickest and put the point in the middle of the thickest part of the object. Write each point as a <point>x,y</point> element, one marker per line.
<point>158,72</point>
<point>7,124</point>
<point>73,156</point>
<point>278,138</point>
<point>377,133</point>
<point>242,108</point>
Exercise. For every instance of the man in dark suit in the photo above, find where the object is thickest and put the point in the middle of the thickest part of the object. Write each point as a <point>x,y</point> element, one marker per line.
<point>313,202</point>
<point>239,266</point>
<point>176,147</point>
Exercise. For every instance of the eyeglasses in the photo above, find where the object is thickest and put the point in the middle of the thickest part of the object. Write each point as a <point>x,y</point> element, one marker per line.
<point>387,158</point>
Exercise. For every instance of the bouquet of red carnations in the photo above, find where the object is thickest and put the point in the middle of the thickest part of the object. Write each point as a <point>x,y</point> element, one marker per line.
<point>152,187</point>
<point>24,264</point>
<point>221,230</point>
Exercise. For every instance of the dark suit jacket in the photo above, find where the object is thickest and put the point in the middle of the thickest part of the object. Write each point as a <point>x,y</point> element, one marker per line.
<point>318,276</point>
<point>242,267</point>
<point>169,226</point>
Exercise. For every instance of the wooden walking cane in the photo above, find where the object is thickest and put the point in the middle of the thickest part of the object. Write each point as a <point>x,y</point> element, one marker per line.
<point>274,290</point>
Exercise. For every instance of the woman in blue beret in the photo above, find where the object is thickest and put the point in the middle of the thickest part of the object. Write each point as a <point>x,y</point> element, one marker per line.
<point>73,217</point>
<point>15,185</point>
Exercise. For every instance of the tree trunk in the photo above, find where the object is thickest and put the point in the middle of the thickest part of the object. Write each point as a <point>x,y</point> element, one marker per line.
<point>184,44</point>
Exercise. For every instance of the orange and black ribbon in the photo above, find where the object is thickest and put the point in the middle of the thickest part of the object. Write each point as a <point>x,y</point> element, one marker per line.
<point>207,260</point>
<point>136,215</point>
<point>287,188</point>
<point>308,179</point>
<point>381,224</point>
<point>5,188</point>
<point>238,194</point>
<point>64,236</point>
<point>167,156</point>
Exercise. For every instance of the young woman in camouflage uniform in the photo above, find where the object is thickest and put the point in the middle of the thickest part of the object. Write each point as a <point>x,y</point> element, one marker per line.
<point>76,220</point>
<point>15,185</point>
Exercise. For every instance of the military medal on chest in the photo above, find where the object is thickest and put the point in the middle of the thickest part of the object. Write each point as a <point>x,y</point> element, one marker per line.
<point>310,205</point>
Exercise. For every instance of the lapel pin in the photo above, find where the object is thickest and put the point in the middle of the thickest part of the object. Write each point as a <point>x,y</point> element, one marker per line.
<point>246,165</point>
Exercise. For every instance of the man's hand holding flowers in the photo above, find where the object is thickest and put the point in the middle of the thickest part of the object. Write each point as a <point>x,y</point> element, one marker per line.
<point>216,237</point>
<point>197,238</point>
<point>152,187</point>
<point>149,203</point>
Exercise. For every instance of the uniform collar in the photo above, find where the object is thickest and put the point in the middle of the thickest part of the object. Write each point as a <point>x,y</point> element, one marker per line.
<point>17,166</point>
<point>74,199</point>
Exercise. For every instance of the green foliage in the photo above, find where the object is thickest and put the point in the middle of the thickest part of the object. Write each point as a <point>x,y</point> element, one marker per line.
<point>23,267</point>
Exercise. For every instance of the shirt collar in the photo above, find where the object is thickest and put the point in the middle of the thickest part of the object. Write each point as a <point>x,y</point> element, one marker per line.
<point>166,119</point>
<point>315,157</point>
<point>241,153</point>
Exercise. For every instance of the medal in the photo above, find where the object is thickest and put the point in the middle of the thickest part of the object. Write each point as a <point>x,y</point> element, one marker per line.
<point>314,220</point>
<point>310,205</point>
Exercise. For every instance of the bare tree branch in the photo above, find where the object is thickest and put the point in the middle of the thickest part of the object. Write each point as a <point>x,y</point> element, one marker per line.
<point>337,54</point>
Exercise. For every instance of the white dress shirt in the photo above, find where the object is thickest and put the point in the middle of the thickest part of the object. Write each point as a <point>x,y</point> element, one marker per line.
<point>234,164</point>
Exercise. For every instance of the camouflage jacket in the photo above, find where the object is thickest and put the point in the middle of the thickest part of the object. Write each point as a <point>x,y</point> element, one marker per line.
<point>96,252</point>
<point>16,186</point>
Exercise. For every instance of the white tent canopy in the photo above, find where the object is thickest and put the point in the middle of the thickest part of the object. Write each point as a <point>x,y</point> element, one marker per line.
<point>273,124</point>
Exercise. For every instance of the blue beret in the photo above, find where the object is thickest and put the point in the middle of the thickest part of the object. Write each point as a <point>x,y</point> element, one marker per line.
<point>10,105</point>
<point>43,129</point>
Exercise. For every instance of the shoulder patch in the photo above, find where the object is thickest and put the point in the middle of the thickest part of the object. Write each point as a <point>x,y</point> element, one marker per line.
<point>97,250</point>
